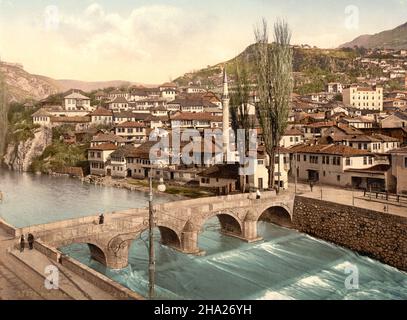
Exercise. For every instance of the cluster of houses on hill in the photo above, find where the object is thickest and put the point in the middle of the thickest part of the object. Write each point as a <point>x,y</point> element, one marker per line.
<point>358,142</point>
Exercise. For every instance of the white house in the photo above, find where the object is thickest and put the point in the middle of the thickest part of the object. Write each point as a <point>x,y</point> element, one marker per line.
<point>339,165</point>
<point>42,118</point>
<point>200,120</point>
<point>76,101</point>
<point>133,132</point>
<point>364,98</point>
<point>291,137</point>
<point>98,157</point>
<point>102,116</point>
<point>119,104</point>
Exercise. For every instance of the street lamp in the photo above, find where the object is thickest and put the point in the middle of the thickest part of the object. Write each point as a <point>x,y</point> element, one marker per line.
<point>151,256</point>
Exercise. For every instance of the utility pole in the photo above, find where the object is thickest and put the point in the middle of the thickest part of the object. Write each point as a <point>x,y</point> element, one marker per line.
<point>353,197</point>
<point>295,155</point>
<point>151,265</point>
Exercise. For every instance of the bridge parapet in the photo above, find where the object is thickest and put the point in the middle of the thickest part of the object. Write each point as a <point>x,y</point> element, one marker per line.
<point>180,224</point>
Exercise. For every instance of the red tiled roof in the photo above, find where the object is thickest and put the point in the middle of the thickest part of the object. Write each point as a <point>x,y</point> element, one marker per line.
<point>71,119</point>
<point>131,124</point>
<point>196,116</point>
<point>102,112</point>
<point>293,132</point>
<point>119,99</point>
<point>104,147</point>
<point>332,149</point>
<point>321,124</point>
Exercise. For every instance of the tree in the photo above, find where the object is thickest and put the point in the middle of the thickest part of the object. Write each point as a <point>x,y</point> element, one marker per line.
<point>274,66</point>
<point>239,108</point>
<point>3,113</point>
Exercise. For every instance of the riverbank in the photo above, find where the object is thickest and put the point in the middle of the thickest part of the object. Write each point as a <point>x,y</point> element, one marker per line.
<point>175,192</point>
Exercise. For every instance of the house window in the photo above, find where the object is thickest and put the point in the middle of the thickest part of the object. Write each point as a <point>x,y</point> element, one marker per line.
<point>348,161</point>
<point>405,162</point>
<point>364,160</point>
<point>313,159</point>
<point>338,178</point>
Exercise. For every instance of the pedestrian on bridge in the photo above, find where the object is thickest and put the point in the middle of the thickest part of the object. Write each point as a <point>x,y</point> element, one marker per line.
<point>101,219</point>
<point>30,241</point>
<point>22,243</point>
<point>258,194</point>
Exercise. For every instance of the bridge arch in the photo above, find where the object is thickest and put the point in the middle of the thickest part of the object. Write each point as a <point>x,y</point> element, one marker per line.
<point>170,236</point>
<point>97,253</point>
<point>230,223</point>
<point>277,214</point>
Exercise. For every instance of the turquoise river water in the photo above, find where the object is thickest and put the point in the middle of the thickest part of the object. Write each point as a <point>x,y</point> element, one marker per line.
<point>285,265</point>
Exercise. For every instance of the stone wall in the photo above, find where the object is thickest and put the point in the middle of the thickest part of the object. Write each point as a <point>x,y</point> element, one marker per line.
<point>9,229</point>
<point>99,280</point>
<point>375,234</point>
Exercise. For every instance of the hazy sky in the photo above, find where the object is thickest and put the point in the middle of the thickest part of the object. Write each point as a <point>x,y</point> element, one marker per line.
<point>154,41</point>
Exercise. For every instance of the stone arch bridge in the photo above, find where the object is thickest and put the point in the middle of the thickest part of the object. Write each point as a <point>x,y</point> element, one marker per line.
<point>179,222</point>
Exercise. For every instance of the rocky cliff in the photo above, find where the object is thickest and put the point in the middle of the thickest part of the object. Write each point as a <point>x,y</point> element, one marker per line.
<point>22,85</point>
<point>19,156</point>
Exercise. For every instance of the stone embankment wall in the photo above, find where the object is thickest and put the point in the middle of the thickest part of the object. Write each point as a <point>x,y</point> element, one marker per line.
<point>115,289</point>
<point>375,234</point>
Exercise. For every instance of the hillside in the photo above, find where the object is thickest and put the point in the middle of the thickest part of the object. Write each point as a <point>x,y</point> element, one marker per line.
<point>22,85</point>
<point>312,64</point>
<point>88,86</point>
<point>390,39</point>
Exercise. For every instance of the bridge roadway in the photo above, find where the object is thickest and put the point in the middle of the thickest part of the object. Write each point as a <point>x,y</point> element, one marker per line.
<point>179,222</point>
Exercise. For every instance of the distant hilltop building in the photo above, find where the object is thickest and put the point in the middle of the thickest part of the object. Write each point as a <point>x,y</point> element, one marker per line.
<point>11,64</point>
<point>364,98</point>
<point>334,87</point>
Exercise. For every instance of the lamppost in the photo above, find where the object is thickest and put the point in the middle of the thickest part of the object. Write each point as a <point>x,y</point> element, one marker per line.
<point>151,258</point>
<point>151,255</point>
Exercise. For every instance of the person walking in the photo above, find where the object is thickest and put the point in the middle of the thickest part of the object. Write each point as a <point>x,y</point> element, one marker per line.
<point>258,194</point>
<point>30,241</point>
<point>22,243</point>
<point>311,185</point>
<point>101,219</point>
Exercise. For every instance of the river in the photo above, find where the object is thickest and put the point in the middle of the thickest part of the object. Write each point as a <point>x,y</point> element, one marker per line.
<point>285,265</point>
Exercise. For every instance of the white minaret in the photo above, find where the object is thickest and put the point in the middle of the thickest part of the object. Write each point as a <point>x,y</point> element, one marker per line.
<point>225,105</point>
